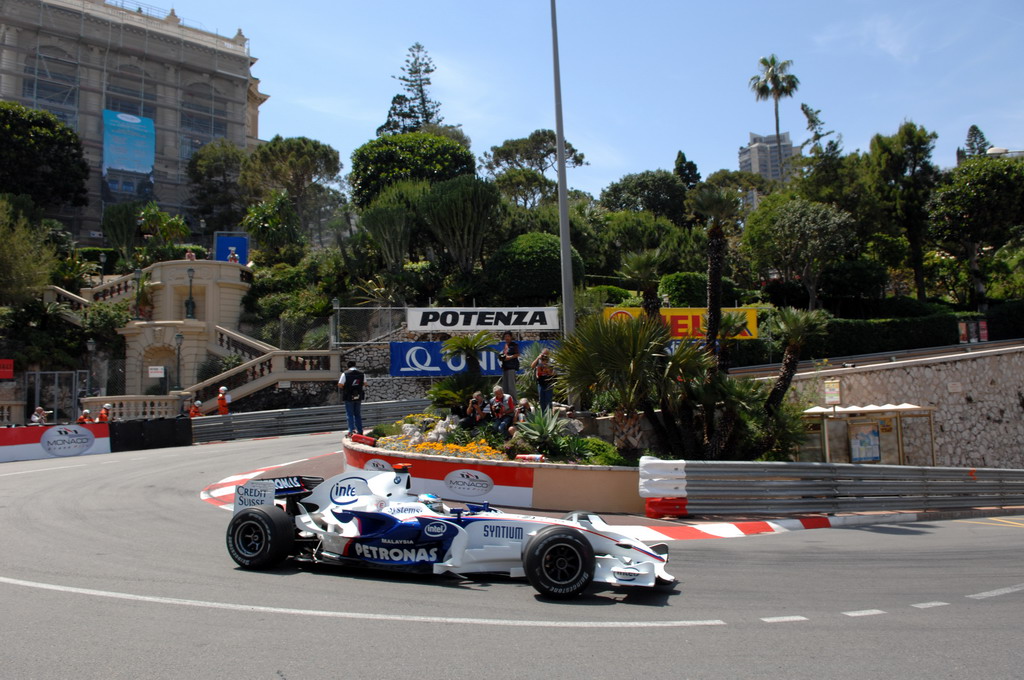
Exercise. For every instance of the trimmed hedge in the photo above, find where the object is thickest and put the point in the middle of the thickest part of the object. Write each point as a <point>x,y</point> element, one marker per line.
<point>613,294</point>
<point>690,289</point>
<point>867,336</point>
<point>527,270</point>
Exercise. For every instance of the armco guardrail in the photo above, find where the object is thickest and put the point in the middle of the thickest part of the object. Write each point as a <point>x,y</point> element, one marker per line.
<point>297,420</point>
<point>732,487</point>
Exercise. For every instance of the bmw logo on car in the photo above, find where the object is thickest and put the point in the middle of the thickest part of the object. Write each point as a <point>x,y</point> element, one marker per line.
<point>435,529</point>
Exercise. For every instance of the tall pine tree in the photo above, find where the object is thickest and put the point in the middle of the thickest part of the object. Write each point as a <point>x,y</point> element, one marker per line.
<point>413,109</point>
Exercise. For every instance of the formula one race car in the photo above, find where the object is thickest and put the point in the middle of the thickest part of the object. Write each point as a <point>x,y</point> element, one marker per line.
<point>371,519</point>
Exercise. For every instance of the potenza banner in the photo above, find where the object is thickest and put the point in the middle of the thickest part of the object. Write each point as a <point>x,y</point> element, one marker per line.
<point>423,359</point>
<point>498,319</point>
<point>688,322</point>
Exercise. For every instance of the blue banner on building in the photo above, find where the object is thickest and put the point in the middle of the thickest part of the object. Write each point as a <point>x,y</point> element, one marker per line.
<point>231,246</point>
<point>423,359</point>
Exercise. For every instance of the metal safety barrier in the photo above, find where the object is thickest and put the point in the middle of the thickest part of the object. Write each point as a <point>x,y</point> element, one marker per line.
<point>298,420</point>
<point>736,487</point>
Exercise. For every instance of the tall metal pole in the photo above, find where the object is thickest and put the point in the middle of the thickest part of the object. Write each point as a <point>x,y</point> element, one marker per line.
<point>568,299</point>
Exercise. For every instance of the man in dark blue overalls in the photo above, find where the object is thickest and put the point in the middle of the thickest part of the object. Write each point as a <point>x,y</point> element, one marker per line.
<point>351,384</point>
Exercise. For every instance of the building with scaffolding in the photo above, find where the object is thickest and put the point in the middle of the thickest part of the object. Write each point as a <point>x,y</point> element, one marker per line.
<point>143,89</point>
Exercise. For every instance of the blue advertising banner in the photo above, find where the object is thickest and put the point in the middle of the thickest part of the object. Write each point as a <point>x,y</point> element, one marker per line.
<point>423,359</point>
<point>129,143</point>
<point>231,246</point>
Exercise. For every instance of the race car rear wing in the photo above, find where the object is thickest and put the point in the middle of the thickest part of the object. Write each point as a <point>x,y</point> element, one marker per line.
<point>298,486</point>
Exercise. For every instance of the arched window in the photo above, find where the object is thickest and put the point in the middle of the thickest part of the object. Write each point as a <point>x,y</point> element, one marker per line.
<point>203,117</point>
<point>51,83</point>
<point>130,90</point>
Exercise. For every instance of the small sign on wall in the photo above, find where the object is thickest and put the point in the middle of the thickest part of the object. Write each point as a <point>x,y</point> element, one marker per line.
<point>833,393</point>
<point>155,371</point>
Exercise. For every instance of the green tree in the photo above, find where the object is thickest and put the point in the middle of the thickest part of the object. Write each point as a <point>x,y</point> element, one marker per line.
<point>775,82</point>
<point>798,238</point>
<point>273,223</point>
<point>298,166</point>
<point>413,156</point>
<point>25,260</point>
<point>537,152</point>
<point>975,209</point>
<point>412,110</point>
<point>214,173</point>
<point>976,145</point>
<point>527,270</point>
<point>643,269</point>
<point>902,177</point>
<point>686,171</point>
<point>452,132</point>
<point>658,192</point>
<point>526,187</point>
<point>120,225</point>
<point>41,157</point>
<point>719,208</point>
<point>460,212</point>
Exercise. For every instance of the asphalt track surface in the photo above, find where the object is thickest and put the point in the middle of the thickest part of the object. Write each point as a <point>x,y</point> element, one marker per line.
<point>111,567</point>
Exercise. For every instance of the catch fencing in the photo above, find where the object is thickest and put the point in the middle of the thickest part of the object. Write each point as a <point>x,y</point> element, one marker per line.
<point>737,487</point>
<point>297,420</point>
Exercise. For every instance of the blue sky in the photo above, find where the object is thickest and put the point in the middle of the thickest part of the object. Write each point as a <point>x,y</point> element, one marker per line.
<point>640,80</point>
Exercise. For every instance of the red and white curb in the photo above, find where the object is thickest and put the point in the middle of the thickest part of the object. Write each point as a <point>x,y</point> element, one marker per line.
<point>222,495</point>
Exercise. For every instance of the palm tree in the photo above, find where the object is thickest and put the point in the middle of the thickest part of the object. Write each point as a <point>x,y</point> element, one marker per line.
<point>775,82</point>
<point>718,206</point>
<point>469,348</point>
<point>795,327</point>
<point>619,358</point>
<point>642,269</point>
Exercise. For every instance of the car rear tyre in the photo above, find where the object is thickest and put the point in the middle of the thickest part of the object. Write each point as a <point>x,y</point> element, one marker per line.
<point>260,538</point>
<point>559,562</point>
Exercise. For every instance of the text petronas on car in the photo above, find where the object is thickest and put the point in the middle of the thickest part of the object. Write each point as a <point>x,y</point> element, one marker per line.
<point>372,519</point>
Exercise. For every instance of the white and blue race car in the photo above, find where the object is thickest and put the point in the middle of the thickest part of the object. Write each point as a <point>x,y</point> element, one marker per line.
<point>371,519</point>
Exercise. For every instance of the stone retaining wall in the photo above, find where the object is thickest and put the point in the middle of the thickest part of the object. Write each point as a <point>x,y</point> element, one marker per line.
<point>978,399</point>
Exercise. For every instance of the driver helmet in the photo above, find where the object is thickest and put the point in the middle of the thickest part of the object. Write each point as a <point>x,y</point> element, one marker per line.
<point>108,406</point>
<point>432,501</point>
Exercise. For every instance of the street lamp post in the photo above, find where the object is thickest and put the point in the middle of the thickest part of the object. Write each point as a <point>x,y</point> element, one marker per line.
<point>138,284</point>
<point>90,346</point>
<point>190,303</point>
<point>335,303</point>
<point>568,295</point>
<point>178,339</point>
<point>103,266</point>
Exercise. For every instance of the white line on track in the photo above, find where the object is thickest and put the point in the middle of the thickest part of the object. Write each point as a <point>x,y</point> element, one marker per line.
<point>865,612</point>
<point>783,619</point>
<point>995,593</point>
<point>28,472</point>
<point>359,615</point>
<point>929,605</point>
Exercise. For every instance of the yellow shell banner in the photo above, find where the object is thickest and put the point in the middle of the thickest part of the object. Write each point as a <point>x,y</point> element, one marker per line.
<point>688,322</point>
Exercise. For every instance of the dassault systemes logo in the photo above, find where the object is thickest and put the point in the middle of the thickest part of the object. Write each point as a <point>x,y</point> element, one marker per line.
<point>66,440</point>
<point>468,482</point>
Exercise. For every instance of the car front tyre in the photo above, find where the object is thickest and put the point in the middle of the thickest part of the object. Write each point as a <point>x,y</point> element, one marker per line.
<point>260,538</point>
<point>559,562</point>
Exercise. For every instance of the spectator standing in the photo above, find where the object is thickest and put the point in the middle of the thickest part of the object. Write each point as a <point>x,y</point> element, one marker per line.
<point>352,383</point>
<point>544,371</point>
<point>509,355</point>
<point>39,416</point>
<point>223,399</point>
<point>190,256</point>
<point>502,410</point>
<point>85,418</point>
<point>104,416</point>
<point>475,415</point>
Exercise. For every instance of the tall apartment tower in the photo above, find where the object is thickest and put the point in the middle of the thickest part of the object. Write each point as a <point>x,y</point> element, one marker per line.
<point>761,155</point>
<point>142,89</point>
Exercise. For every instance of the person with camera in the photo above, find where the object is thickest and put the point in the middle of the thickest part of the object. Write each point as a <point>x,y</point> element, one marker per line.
<point>544,371</point>
<point>352,382</point>
<point>509,355</point>
<point>503,408</point>
<point>523,411</point>
<point>475,415</point>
